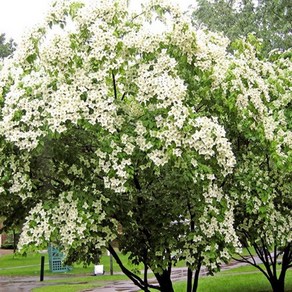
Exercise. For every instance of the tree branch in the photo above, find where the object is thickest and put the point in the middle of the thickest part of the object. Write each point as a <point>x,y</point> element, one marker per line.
<point>123,96</point>
<point>114,84</point>
<point>137,183</point>
<point>254,264</point>
<point>275,261</point>
<point>136,279</point>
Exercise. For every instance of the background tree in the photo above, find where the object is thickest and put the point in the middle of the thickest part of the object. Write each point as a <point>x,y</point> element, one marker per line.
<point>262,144</point>
<point>10,208</point>
<point>270,20</point>
<point>262,182</point>
<point>6,48</point>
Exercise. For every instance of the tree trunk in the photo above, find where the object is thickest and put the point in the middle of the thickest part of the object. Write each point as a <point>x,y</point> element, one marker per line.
<point>270,262</point>
<point>196,277</point>
<point>164,281</point>
<point>278,285</point>
<point>14,241</point>
<point>189,280</point>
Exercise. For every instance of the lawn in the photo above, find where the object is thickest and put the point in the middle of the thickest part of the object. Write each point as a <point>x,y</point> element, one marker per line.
<point>17,265</point>
<point>76,284</point>
<point>246,279</point>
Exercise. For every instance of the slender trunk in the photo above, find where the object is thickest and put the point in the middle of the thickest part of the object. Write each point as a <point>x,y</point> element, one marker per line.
<point>192,228</point>
<point>189,280</point>
<point>14,241</point>
<point>145,277</point>
<point>196,277</point>
<point>111,265</point>
<point>164,281</point>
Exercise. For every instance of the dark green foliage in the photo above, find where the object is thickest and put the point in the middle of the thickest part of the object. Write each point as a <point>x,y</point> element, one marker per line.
<point>6,47</point>
<point>270,20</point>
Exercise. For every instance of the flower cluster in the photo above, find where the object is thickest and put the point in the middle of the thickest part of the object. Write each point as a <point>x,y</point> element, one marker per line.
<point>69,221</point>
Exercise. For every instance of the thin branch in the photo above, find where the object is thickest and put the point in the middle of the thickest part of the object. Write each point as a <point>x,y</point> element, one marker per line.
<point>114,84</point>
<point>224,181</point>
<point>254,264</point>
<point>251,255</point>
<point>275,261</point>
<point>265,260</point>
<point>169,267</point>
<point>137,183</point>
<point>123,96</point>
<point>145,274</point>
<point>256,247</point>
<point>259,252</point>
<point>268,162</point>
<point>244,259</point>
<point>279,253</point>
<point>267,254</point>
<point>136,279</point>
<point>198,108</point>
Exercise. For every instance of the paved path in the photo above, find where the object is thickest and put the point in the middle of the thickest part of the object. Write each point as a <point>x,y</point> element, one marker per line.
<point>178,274</point>
<point>5,251</point>
<point>19,284</point>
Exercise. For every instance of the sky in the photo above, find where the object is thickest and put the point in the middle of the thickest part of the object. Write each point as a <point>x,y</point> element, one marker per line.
<point>17,16</point>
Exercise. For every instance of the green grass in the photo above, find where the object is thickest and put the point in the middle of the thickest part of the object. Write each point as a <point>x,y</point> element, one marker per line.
<point>245,252</point>
<point>18,265</point>
<point>73,281</point>
<point>242,269</point>
<point>9,264</point>
<point>76,279</point>
<point>245,278</point>
<point>65,288</point>
<point>14,260</point>
<point>78,283</point>
<point>233,281</point>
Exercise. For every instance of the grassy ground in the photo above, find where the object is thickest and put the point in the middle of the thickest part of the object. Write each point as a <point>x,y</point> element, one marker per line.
<point>77,284</point>
<point>245,279</point>
<point>67,288</point>
<point>17,265</point>
<point>8,264</point>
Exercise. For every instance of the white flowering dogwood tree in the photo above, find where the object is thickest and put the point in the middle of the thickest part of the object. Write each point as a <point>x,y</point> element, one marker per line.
<point>261,184</point>
<point>110,131</point>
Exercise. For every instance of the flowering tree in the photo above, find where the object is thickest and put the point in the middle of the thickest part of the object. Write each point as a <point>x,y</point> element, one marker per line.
<point>270,20</point>
<point>257,109</point>
<point>104,123</point>
<point>262,178</point>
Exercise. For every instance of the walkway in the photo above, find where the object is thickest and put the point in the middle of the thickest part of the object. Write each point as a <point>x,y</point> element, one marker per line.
<point>178,274</point>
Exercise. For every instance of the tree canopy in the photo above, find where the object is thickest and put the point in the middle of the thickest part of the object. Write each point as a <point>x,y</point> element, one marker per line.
<point>6,48</point>
<point>110,131</point>
<point>270,20</point>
